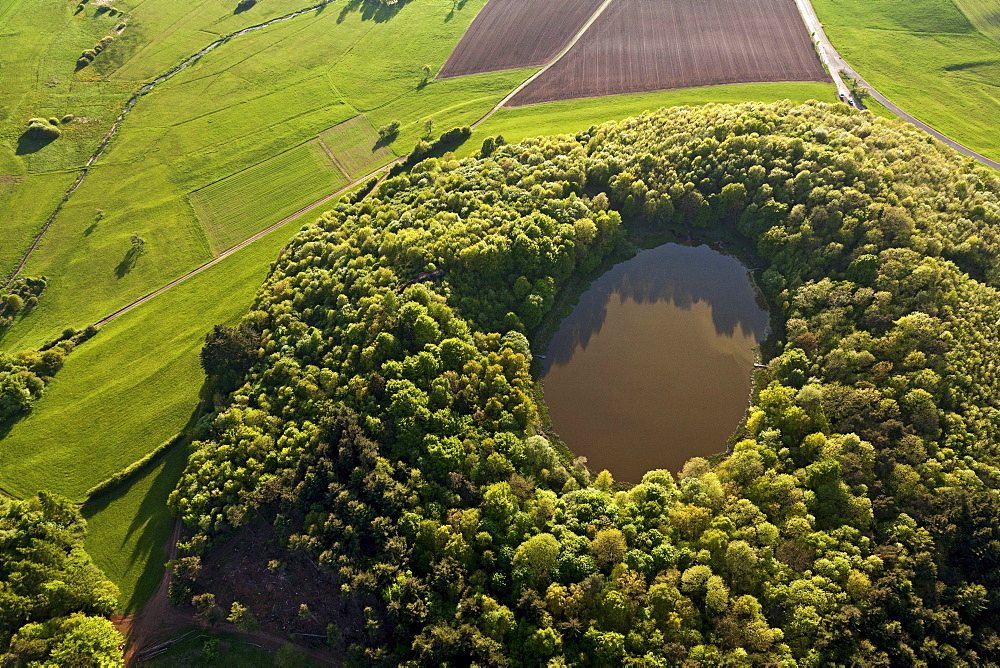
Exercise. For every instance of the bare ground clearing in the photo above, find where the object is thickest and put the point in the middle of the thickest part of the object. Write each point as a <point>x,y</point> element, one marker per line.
<point>646,45</point>
<point>509,34</point>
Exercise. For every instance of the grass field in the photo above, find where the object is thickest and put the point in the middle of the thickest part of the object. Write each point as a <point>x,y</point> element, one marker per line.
<point>128,529</point>
<point>25,203</point>
<point>570,116</point>
<point>241,205</point>
<point>136,384</point>
<point>246,101</point>
<point>927,57</point>
<point>984,14</point>
<point>354,145</point>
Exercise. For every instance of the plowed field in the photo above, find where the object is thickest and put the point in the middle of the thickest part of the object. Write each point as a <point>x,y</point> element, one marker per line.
<point>644,45</point>
<point>509,34</point>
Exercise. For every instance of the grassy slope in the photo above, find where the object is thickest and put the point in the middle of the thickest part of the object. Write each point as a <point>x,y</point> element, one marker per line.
<point>128,529</point>
<point>355,146</point>
<point>25,203</point>
<point>132,386</point>
<point>240,205</point>
<point>240,104</point>
<point>927,57</point>
<point>984,14</point>
<point>574,115</point>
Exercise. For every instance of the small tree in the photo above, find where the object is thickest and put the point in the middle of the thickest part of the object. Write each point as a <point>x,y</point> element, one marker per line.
<point>138,244</point>
<point>429,128</point>
<point>388,132</point>
<point>428,72</point>
<point>858,90</point>
<point>241,616</point>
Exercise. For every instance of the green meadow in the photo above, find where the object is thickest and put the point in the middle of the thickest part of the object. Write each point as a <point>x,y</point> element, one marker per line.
<point>355,146</point>
<point>252,98</point>
<point>928,57</point>
<point>241,205</point>
<point>128,528</point>
<point>133,386</point>
<point>570,116</point>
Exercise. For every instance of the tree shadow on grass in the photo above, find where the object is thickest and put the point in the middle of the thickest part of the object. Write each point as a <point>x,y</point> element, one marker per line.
<point>31,143</point>
<point>128,262</point>
<point>153,521</point>
<point>371,10</point>
<point>244,5</point>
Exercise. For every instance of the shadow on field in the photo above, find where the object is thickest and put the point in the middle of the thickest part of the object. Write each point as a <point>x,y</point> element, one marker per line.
<point>371,10</point>
<point>31,143</point>
<point>149,525</point>
<point>128,262</point>
<point>153,521</point>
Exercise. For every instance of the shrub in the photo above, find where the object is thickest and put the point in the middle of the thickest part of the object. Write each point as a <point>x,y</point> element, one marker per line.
<point>388,132</point>
<point>42,130</point>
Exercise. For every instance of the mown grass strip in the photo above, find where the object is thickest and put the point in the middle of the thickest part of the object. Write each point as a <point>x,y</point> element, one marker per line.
<point>355,146</point>
<point>246,202</point>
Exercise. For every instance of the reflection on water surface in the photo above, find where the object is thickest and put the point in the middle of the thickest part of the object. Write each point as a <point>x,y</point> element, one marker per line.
<point>653,365</point>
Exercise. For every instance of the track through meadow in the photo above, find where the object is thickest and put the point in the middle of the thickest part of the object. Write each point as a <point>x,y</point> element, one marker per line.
<point>113,130</point>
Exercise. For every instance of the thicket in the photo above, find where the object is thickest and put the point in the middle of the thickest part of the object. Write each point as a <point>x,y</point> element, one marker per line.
<point>42,130</point>
<point>20,297</point>
<point>88,55</point>
<point>394,437</point>
<point>54,601</point>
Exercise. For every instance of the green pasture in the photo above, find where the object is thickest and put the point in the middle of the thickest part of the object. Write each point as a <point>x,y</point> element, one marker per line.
<point>128,528</point>
<point>241,205</point>
<point>984,14</point>
<point>137,383</point>
<point>252,98</point>
<point>355,146</point>
<point>42,40</point>
<point>25,204</point>
<point>927,57</point>
<point>570,116</point>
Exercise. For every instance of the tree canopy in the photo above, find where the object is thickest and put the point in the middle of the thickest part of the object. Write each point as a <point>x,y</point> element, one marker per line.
<point>392,432</point>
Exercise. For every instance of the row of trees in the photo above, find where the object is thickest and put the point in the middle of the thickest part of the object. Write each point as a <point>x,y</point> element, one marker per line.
<point>395,438</point>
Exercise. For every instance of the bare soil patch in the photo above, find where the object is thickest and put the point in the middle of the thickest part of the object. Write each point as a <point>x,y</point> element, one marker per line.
<point>508,34</point>
<point>646,45</point>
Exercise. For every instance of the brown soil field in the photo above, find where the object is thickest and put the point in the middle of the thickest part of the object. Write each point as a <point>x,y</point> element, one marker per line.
<point>645,45</point>
<point>508,34</point>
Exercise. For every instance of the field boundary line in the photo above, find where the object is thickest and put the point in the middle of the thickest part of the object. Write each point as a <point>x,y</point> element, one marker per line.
<point>569,45</point>
<point>836,64</point>
<point>132,101</point>
<point>243,244</point>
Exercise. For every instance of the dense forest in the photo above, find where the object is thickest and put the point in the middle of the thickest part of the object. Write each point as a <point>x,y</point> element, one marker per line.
<point>390,431</point>
<point>53,601</point>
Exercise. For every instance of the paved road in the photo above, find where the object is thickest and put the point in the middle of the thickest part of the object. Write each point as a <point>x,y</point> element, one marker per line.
<point>836,64</point>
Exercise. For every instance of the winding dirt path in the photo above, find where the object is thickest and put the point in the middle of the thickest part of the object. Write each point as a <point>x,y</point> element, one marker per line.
<point>836,64</point>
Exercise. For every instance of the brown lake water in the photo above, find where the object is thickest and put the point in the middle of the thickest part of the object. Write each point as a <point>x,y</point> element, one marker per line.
<point>653,366</point>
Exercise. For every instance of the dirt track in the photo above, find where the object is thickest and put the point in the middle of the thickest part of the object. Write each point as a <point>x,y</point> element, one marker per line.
<point>508,34</point>
<point>645,45</point>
